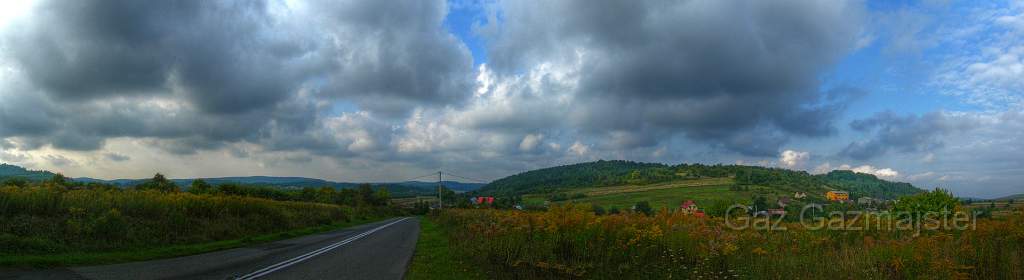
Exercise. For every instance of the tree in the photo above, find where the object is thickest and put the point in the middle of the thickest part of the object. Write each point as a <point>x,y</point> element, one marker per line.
<point>159,183</point>
<point>325,195</point>
<point>760,203</point>
<point>613,211</point>
<point>598,210</point>
<point>365,195</point>
<point>939,201</point>
<point>59,180</point>
<point>382,196</point>
<point>448,196</point>
<point>644,207</point>
<point>199,186</point>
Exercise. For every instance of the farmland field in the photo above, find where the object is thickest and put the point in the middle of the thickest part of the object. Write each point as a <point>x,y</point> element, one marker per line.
<point>668,194</point>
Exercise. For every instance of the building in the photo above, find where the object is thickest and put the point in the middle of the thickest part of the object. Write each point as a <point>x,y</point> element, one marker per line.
<point>799,195</point>
<point>783,201</point>
<point>690,208</point>
<point>837,196</point>
<point>866,200</point>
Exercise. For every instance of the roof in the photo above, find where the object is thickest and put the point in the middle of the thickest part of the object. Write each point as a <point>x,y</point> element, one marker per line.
<point>688,203</point>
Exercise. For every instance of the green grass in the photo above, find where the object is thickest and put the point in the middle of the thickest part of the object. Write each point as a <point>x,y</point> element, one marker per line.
<point>434,258</point>
<point>97,258</point>
<point>668,194</point>
<point>669,198</point>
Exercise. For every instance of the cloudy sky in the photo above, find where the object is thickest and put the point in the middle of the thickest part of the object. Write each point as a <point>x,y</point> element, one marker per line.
<point>927,92</point>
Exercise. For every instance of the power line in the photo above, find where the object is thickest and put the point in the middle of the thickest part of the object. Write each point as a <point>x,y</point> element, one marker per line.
<point>414,178</point>
<point>467,178</point>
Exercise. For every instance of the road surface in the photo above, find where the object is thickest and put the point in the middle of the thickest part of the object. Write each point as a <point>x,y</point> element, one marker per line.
<point>380,250</point>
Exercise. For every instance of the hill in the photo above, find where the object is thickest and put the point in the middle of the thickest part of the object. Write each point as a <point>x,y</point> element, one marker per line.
<point>591,174</point>
<point>1009,197</point>
<point>617,173</point>
<point>397,189</point>
<point>13,171</point>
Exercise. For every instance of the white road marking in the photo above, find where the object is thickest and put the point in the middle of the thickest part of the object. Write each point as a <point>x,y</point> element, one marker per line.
<point>314,253</point>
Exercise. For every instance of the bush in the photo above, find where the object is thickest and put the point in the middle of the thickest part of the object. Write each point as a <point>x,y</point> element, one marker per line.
<point>570,242</point>
<point>107,219</point>
<point>643,207</point>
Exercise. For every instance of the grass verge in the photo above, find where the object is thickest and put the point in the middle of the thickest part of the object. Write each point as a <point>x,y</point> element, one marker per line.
<point>132,255</point>
<point>434,258</point>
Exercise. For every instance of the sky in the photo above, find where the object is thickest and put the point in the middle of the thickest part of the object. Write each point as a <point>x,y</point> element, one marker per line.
<point>927,92</point>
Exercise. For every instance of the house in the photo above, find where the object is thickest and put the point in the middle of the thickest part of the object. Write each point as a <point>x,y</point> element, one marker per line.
<point>776,212</point>
<point>688,205</point>
<point>837,196</point>
<point>865,200</point>
<point>690,208</point>
<point>800,195</point>
<point>783,201</point>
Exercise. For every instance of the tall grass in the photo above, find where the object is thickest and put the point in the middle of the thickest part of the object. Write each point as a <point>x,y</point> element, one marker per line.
<point>572,243</point>
<point>52,220</point>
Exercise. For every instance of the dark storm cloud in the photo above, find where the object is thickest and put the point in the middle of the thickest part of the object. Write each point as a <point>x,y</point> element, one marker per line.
<point>220,53</point>
<point>198,74</point>
<point>906,134</point>
<point>715,71</point>
<point>413,61</point>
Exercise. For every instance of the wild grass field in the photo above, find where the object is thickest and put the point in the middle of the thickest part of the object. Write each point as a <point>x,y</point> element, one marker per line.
<point>53,224</point>
<point>571,242</point>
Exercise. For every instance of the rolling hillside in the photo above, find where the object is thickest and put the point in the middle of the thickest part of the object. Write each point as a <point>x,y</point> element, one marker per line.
<point>572,178</point>
<point>14,171</point>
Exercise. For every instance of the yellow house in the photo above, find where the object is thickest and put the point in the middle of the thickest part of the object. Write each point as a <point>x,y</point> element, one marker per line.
<point>837,195</point>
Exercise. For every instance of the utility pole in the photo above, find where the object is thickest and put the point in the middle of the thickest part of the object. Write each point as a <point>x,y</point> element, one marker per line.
<point>440,203</point>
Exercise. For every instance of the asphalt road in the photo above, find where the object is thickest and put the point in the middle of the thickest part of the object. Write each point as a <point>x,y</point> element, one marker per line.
<point>380,250</point>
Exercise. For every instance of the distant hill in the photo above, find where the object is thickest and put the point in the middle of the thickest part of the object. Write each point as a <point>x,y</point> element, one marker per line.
<point>397,189</point>
<point>1014,197</point>
<point>14,171</point>
<point>612,173</point>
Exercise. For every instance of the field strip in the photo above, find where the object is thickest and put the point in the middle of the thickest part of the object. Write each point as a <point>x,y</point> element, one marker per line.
<point>660,186</point>
<point>314,253</point>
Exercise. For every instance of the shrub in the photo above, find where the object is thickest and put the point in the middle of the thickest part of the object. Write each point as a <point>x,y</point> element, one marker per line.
<point>569,242</point>
<point>108,219</point>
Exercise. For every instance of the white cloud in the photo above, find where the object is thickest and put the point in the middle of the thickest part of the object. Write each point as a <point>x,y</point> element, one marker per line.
<point>793,159</point>
<point>530,142</point>
<point>868,169</point>
<point>579,149</point>
<point>885,173</point>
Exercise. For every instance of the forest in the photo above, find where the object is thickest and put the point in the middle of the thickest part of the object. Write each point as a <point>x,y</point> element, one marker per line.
<point>612,173</point>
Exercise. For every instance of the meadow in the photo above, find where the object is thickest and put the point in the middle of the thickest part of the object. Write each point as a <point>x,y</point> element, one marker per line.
<point>665,194</point>
<point>571,242</point>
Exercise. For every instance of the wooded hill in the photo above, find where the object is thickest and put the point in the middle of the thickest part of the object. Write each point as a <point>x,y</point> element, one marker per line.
<point>613,173</point>
<point>14,171</point>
